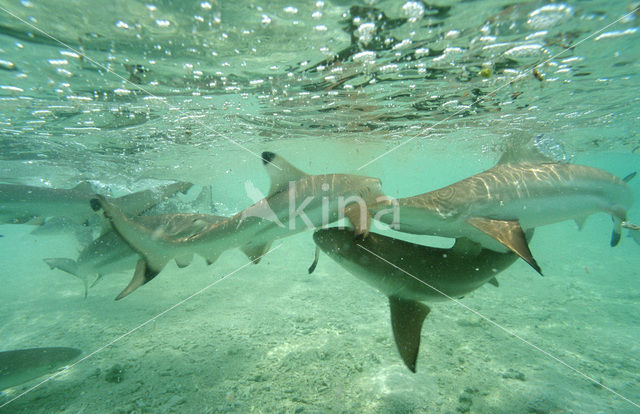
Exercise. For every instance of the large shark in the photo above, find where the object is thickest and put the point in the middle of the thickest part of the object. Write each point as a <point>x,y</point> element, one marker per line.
<point>22,365</point>
<point>22,203</point>
<point>109,253</point>
<point>410,273</point>
<point>493,207</point>
<point>296,202</point>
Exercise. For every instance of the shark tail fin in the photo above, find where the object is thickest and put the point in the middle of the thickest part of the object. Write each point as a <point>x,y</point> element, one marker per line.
<point>145,241</point>
<point>70,266</point>
<point>407,317</point>
<point>141,276</point>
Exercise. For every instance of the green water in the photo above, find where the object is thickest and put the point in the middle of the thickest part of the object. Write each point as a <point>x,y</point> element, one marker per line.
<point>129,95</point>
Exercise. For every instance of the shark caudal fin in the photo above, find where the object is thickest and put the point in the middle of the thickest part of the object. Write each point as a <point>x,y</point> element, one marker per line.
<point>70,266</point>
<point>510,234</point>
<point>407,317</point>
<point>146,241</point>
<point>620,217</point>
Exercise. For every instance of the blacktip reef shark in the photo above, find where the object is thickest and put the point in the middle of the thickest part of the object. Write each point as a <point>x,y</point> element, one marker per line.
<point>23,365</point>
<point>109,253</point>
<point>322,199</point>
<point>493,207</point>
<point>22,203</point>
<point>428,274</point>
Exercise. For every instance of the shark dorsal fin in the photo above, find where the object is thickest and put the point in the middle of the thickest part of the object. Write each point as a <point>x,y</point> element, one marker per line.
<point>280,171</point>
<point>509,233</point>
<point>519,152</point>
<point>84,187</point>
<point>407,317</point>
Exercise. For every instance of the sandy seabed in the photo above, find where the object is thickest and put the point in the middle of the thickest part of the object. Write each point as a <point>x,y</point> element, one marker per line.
<point>271,338</point>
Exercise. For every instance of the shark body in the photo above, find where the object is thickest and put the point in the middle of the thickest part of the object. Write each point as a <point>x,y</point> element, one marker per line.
<point>109,253</point>
<point>23,365</point>
<point>21,203</point>
<point>296,202</point>
<point>493,207</point>
<point>410,273</point>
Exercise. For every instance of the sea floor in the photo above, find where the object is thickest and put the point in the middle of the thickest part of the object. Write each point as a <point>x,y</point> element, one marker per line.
<point>272,338</point>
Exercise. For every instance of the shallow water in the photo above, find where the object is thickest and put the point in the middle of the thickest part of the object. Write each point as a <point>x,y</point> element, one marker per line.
<point>129,95</point>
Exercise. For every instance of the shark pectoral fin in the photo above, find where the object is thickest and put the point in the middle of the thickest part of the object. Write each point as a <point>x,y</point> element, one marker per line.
<point>407,317</point>
<point>360,220</point>
<point>510,234</point>
<point>315,261</point>
<point>280,171</point>
<point>141,276</point>
<point>494,282</point>
<point>255,252</point>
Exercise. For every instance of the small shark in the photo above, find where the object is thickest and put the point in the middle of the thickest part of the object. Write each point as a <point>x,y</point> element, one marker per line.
<point>428,274</point>
<point>22,203</point>
<point>493,207</point>
<point>109,253</point>
<point>322,199</point>
<point>23,365</point>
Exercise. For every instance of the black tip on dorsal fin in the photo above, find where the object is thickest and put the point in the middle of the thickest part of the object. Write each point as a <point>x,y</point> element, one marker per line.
<point>281,172</point>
